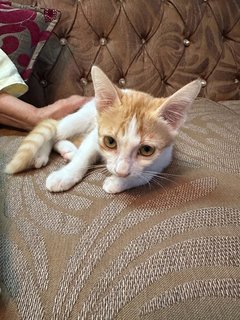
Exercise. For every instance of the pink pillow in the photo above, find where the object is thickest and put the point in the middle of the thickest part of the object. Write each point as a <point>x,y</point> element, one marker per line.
<point>23,32</point>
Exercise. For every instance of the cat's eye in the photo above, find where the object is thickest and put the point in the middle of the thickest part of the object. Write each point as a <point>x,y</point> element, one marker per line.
<point>146,150</point>
<point>109,142</point>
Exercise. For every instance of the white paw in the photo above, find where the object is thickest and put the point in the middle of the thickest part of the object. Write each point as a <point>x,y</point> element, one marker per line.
<point>66,149</point>
<point>41,161</point>
<point>112,185</point>
<point>60,181</point>
<point>67,156</point>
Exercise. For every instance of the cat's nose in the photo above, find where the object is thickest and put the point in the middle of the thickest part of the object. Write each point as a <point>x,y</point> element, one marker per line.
<point>122,169</point>
<point>122,174</point>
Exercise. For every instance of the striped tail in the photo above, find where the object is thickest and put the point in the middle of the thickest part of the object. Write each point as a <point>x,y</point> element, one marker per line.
<point>44,132</point>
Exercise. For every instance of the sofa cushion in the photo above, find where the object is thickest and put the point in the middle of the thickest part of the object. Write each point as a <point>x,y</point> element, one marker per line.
<point>23,32</point>
<point>168,250</point>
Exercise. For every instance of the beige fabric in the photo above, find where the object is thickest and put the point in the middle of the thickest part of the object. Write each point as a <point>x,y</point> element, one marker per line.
<point>164,251</point>
<point>10,80</point>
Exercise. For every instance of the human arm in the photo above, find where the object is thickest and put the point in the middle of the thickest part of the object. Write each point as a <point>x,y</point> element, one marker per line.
<point>19,114</point>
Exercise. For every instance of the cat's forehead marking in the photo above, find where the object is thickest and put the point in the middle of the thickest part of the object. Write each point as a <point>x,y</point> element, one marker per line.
<point>131,135</point>
<point>126,91</point>
<point>132,127</point>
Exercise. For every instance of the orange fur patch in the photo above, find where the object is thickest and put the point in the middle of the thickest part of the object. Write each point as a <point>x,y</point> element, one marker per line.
<point>145,108</point>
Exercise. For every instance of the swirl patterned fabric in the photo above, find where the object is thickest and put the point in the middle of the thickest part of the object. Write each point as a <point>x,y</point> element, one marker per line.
<point>169,250</point>
<point>23,32</point>
<point>155,46</point>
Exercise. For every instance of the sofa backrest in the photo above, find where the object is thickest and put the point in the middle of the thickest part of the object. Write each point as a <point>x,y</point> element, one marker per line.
<point>156,46</point>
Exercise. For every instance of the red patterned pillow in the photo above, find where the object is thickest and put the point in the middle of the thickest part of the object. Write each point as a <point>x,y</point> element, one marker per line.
<point>23,32</point>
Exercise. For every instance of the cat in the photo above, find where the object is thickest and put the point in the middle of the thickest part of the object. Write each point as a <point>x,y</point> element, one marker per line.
<point>131,131</point>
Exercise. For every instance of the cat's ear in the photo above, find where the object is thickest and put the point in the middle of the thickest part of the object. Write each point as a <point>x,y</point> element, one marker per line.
<point>174,109</point>
<point>106,93</point>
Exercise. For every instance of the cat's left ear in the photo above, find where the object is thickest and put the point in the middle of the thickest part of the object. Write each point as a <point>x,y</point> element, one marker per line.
<point>174,109</point>
<point>106,93</point>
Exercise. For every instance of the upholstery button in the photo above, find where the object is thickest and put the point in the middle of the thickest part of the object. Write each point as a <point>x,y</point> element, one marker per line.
<point>83,81</point>
<point>43,83</point>
<point>103,41</point>
<point>122,82</point>
<point>143,41</point>
<point>203,83</point>
<point>186,42</point>
<point>236,81</point>
<point>63,41</point>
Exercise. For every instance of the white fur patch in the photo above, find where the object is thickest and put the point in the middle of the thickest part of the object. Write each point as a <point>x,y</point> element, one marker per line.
<point>127,148</point>
<point>127,91</point>
<point>131,134</point>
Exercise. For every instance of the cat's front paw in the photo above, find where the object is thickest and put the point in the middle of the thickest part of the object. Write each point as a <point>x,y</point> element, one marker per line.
<point>112,185</point>
<point>59,181</point>
<point>40,161</point>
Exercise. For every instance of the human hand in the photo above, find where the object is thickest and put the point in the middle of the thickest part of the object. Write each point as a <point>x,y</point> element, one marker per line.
<point>62,107</point>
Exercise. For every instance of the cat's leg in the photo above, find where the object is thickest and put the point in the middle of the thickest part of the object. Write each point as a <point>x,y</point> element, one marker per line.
<point>115,184</point>
<point>42,156</point>
<point>74,171</point>
<point>80,121</point>
<point>84,120</point>
<point>66,149</point>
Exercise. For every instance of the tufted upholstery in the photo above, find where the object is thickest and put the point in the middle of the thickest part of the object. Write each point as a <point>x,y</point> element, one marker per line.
<point>154,46</point>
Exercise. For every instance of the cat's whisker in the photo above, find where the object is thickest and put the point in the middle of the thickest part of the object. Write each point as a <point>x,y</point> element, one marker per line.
<point>158,183</point>
<point>163,177</point>
<point>165,174</point>
<point>157,176</point>
<point>99,168</point>
<point>103,171</point>
<point>170,180</point>
<point>149,179</point>
<point>145,179</point>
<point>166,179</point>
<point>172,174</point>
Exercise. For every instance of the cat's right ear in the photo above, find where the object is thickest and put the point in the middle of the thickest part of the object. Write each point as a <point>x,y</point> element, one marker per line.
<point>106,93</point>
<point>174,109</point>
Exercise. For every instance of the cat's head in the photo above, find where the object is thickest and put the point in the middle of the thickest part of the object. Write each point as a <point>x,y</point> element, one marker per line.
<point>135,128</point>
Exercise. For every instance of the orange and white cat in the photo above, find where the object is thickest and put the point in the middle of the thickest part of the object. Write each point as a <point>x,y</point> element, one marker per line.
<point>131,131</point>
